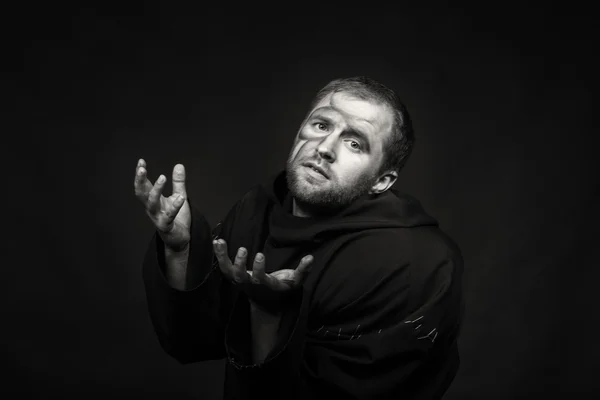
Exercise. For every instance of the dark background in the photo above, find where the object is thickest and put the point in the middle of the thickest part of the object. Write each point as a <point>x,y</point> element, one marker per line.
<point>501,100</point>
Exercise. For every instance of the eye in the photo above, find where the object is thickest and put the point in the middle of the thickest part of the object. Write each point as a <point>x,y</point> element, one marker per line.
<point>354,144</point>
<point>321,126</point>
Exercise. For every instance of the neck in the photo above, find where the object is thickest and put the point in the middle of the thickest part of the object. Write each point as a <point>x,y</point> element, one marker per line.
<point>298,211</point>
<point>303,210</point>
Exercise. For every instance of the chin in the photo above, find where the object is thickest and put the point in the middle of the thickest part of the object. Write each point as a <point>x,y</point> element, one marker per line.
<point>299,186</point>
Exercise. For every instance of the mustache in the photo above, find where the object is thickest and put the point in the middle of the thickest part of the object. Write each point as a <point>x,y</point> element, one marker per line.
<point>320,166</point>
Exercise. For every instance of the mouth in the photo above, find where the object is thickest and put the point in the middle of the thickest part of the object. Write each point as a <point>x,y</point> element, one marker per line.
<point>317,169</point>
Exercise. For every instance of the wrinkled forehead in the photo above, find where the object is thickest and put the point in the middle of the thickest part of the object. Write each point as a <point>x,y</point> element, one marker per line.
<point>378,115</point>
<point>346,103</point>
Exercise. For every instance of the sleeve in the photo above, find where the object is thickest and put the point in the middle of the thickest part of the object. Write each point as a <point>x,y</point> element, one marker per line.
<point>396,340</point>
<point>189,323</point>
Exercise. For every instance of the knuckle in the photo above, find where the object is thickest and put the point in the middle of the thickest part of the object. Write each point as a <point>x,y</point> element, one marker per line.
<point>240,261</point>
<point>162,227</point>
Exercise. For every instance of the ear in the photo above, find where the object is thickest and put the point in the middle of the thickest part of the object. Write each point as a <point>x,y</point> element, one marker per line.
<point>384,182</point>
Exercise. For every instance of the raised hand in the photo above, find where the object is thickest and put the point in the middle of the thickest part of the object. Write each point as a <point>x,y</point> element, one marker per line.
<point>278,281</point>
<point>171,215</point>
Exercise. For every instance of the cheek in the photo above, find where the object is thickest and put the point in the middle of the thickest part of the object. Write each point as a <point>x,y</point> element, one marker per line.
<point>296,149</point>
<point>352,166</point>
<point>304,133</point>
<point>302,147</point>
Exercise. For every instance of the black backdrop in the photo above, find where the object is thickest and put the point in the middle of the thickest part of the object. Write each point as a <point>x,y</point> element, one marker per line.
<point>502,105</point>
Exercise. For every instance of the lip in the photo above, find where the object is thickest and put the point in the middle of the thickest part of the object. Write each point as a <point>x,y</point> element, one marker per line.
<point>315,166</point>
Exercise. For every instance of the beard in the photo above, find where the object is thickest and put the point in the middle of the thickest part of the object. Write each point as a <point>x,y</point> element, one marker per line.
<point>329,198</point>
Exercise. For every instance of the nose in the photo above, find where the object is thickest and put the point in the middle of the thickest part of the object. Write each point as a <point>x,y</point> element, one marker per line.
<point>325,149</point>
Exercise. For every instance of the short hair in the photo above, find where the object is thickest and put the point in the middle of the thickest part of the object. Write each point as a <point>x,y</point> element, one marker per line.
<point>402,138</point>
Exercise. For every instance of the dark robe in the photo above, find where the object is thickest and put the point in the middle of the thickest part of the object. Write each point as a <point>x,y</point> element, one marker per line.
<point>378,316</point>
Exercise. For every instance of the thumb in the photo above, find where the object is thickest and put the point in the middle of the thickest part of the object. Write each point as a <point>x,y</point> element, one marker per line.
<point>178,180</point>
<point>303,269</point>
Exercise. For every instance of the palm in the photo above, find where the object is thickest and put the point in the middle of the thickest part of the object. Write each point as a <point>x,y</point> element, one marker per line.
<point>282,280</point>
<point>171,215</point>
<point>256,281</point>
<point>182,218</point>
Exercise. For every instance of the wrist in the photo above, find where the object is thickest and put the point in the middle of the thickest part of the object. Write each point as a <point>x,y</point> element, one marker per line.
<point>257,308</point>
<point>177,249</point>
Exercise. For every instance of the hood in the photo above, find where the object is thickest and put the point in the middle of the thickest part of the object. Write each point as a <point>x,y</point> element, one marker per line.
<point>391,209</point>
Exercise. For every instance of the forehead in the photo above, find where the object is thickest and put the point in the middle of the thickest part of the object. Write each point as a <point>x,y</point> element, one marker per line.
<point>362,111</point>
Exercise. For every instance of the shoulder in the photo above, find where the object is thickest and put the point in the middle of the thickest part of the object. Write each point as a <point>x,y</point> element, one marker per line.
<point>417,262</point>
<point>432,242</point>
<point>425,248</point>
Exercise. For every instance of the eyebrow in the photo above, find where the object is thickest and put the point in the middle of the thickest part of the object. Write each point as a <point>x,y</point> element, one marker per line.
<point>349,130</point>
<point>362,135</point>
<point>331,108</point>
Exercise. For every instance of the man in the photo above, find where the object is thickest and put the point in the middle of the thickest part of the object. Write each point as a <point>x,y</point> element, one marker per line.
<point>323,283</point>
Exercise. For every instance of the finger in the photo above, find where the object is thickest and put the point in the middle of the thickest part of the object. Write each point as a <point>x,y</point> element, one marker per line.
<point>141,183</point>
<point>220,248</point>
<point>222,255</point>
<point>258,270</point>
<point>240,257</point>
<point>155,193</point>
<point>178,180</point>
<point>141,163</point>
<point>303,269</point>
<point>173,206</point>
<point>239,266</point>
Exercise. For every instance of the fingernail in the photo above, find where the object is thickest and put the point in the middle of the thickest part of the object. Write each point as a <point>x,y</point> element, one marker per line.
<point>260,257</point>
<point>241,252</point>
<point>161,179</point>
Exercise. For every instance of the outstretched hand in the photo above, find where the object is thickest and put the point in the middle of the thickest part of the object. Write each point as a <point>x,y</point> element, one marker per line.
<point>170,214</point>
<point>277,281</point>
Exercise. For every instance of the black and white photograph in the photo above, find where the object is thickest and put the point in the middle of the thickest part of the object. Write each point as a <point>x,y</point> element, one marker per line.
<point>301,201</point>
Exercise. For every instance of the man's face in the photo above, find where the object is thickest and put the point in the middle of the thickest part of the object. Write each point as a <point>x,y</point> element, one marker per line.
<point>344,137</point>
